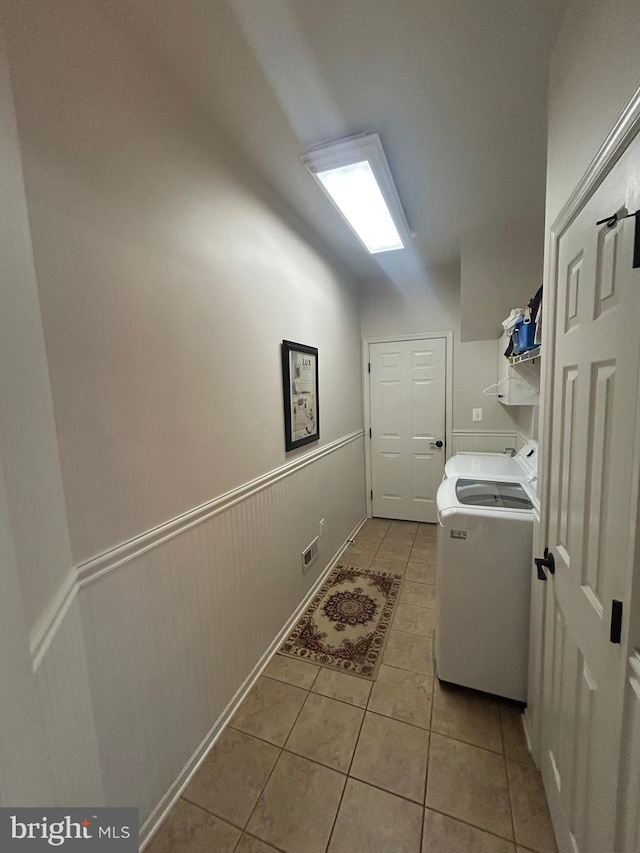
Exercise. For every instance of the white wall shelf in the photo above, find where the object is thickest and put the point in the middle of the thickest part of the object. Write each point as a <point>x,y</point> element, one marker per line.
<point>518,376</point>
<point>531,355</point>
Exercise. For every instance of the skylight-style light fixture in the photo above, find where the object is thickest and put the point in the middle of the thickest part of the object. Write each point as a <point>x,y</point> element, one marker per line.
<point>354,173</point>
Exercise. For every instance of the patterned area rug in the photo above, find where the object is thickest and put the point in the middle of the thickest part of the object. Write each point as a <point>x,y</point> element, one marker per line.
<point>346,624</point>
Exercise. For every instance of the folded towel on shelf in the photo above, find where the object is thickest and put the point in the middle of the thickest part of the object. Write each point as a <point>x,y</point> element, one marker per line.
<point>509,324</point>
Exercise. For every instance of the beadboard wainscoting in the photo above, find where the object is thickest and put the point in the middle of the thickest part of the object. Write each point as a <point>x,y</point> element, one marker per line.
<point>64,684</point>
<point>166,633</point>
<point>468,441</point>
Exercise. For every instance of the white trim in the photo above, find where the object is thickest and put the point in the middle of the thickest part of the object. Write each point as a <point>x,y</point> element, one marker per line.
<point>527,733</point>
<point>366,395</point>
<point>50,620</point>
<point>94,568</point>
<point>157,816</point>
<point>614,146</point>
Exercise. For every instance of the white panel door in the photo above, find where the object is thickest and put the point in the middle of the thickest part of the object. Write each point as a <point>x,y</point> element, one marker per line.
<point>592,504</point>
<point>628,834</point>
<point>407,393</point>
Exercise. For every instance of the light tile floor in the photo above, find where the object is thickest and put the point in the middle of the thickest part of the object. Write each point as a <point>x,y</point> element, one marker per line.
<point>317,760</point>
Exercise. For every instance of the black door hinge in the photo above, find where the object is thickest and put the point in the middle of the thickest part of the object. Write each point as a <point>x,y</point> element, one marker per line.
<point>370,436</point>
<point>613,220</point>
<point>371,494</point>
<point>369,366</point>
<point>616,621</point>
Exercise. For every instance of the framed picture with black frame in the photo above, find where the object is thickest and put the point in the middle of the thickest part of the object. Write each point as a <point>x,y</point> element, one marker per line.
<point>300,385</point>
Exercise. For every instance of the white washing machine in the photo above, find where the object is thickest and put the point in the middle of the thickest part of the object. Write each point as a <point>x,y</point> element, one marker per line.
<point>484,577</point>
<point>523,465</point>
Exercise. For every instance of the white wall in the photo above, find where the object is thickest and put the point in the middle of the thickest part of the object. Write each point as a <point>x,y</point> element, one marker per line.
<point>166,282</point>
<point>166,286</point>
<point>595,69</point>
<point>500,269</point>
<point>27,773</point>
<point>45,711</point>
<point>432,304</point>
<point>593,73</point>
<point>27,430</point>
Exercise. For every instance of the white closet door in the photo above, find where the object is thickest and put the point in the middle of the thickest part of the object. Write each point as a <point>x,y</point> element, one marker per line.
<point>407,392</point>
<point>591,511</point>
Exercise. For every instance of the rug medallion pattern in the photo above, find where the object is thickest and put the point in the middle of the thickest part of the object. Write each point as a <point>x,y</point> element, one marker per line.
<point>346,624</point>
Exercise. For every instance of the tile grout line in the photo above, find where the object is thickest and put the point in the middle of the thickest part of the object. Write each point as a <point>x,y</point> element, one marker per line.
<point>293,752</point>
<point>419,583</point>
<point>412,634</point>
<point>283,748</point>
<point>372,785</point>
<point>468,743</point>
<point>506,773</point>
<point>366,710</point>
<point>388,717</point>
<point>354,752</point>
<point>344,701</point>
<point>433,700</point>
<point>413,671</point>
<point>275,763</point>
<point>344,787</point>
<point>213,814</point>
<point>387,791</point>
<point>251,835</point>
<point>481,828</point>
<point>263,674</point>
<point>310,690</point>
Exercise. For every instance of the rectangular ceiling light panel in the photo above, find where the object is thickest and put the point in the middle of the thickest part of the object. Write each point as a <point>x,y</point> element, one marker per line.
<point>355,175</point>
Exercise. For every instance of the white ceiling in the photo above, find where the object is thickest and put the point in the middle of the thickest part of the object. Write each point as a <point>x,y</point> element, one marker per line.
<point>455,88</point>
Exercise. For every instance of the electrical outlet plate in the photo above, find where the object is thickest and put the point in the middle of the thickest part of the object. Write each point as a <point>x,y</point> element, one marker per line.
<point>477,414</point>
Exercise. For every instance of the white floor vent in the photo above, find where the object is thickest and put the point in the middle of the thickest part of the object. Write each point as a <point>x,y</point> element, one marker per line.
<point>310,555</point>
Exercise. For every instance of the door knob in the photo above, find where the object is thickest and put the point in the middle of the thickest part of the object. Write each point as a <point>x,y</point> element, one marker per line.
<point>437,443</point>
<point>546,562</point>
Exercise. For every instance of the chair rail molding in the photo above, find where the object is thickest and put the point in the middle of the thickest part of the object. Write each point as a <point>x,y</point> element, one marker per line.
<point>92,569</point>
<point>44,631</point>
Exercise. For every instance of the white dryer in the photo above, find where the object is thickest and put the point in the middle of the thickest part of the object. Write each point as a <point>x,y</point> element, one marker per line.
<point>484,577</point>
<point>523,465</point>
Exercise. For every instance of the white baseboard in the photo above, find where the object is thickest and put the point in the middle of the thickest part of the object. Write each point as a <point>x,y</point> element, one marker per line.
<point>158,815</point>
<point>527,733</point>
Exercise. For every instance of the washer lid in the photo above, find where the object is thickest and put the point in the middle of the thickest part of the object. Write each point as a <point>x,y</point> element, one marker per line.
<point>483,465</point>
<point>524,465</point>
<point>527,458</point>
<point>492,493</point>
